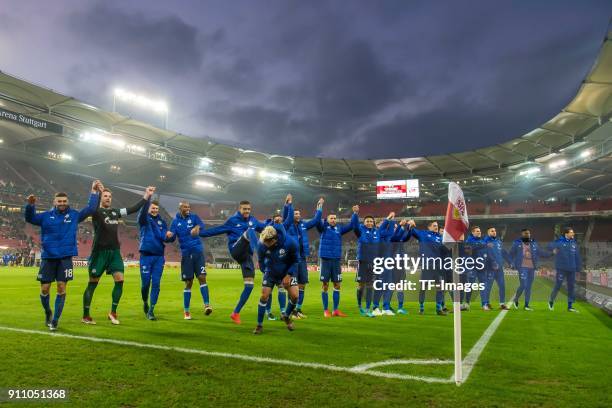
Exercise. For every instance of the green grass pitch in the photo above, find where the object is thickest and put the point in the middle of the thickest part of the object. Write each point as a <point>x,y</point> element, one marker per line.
<point>538,358</point>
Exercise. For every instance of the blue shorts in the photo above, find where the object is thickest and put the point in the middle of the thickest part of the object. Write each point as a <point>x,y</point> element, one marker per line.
<point>330,270</point>
<point>302,272</point>
<point>52,270</point>
<point>241,253</point>
<point>270,280</point>
<point>151,265</point>
<point>192,265</point>
<point>365,272</point>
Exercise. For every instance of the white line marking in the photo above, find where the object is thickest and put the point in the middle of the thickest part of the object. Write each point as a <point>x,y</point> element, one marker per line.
<point>472,357</point>
<point>367,366</point>
<point>243,357</point>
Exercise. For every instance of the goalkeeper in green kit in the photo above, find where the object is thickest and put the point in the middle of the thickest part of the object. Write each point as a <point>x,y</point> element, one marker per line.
<point>105,251</point>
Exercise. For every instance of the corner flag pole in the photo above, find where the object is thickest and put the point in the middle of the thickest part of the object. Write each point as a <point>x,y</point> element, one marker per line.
<point>455,227</point>
<point>457,322</point>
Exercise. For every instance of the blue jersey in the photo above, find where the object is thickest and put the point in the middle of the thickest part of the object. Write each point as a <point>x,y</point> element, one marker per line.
<point>152,232</point>
<point>567,254</point>
<point>280,259</point>
<point>58,229</point>
<point>430,243</point>
<point>181,227</point>
<point>368,240</point>
<point>234,227</point>
<point>496,254</point>
<point>330,246</point>
<point>299,230</point>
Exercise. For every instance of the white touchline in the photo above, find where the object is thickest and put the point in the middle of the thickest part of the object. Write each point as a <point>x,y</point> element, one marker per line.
<point>468,362</point>
<point>242,357</point>
<point>472,357</point>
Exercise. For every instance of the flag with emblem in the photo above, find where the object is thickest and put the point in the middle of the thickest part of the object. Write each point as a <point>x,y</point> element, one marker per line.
<point>456,223</point>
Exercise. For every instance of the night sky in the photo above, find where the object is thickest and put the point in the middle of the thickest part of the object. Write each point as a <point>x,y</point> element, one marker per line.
<point>351,79</point>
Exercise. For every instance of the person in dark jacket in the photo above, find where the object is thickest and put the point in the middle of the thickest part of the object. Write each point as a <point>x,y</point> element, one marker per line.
<point>525,256</point>
<point>58,231</point>
<point>567,265</point>
<point>152,237</point>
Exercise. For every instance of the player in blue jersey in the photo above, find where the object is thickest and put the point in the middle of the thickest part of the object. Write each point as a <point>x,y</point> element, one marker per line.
<point>278,257</point>
<point>298,230</point>
<point>186,226</point>
<point>330,252</point>
<point>241,230</point>
<point>58,232</point>
<point>496,256</point>
<point>430,243</point>
<point>567,264</point>
<point>152,237</point>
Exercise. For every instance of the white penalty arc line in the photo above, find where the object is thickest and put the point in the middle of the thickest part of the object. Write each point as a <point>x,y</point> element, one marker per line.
<point>330,367</point>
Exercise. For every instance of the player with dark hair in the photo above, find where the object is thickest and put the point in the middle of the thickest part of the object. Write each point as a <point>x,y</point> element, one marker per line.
<point>105,251</point>
<point>496,255</point>
<point>473,248</point>
<point>330,251</point>
<point>186,226</point>
<point>430,243</point>
<point>152,237</point>
<point>567,264</point>
<point>298,230</point>
<point>58,232</point>
<point>241,230</point>
<point>368,248</point>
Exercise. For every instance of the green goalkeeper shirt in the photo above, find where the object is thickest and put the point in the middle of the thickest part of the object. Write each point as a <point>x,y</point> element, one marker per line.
<point>106,225</point>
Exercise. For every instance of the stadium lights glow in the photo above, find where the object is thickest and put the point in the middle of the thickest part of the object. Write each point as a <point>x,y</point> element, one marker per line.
<point>95,137</point>
<point>158,106</point>
<point>529,171</point>
<point>65,156</point>
<point>243,171</point>
<point>1,141</point>
<point>273,176</point>
<point>557,164</point>
<point>204,184</point>
<point>59,156</point>
<point>585,154</point>
<point>135,148</point>
<point>205,162</point>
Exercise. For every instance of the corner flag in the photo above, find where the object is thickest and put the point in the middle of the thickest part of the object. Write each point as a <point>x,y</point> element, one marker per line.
<point>456,223</point>
<point>455,226</point>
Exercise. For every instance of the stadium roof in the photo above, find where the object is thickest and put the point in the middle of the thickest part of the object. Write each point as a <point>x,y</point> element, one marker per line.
<point>573,150</point>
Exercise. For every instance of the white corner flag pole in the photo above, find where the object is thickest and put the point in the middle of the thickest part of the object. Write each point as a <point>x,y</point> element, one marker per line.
<point>455,227</point>
<point>457,322</point>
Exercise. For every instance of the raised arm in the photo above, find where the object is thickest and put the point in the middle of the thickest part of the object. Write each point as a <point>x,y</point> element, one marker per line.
<point>317,217</point>
<point>288,221</point>
<point>30,212</point>
<point>146,197</point>
<point>94,201</point>
<point>355,224</point>
<point>211,232</point>
<point>144,211</point>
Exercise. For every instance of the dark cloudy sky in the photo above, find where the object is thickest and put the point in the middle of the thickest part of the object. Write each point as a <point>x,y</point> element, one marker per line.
<point>353,79</point>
